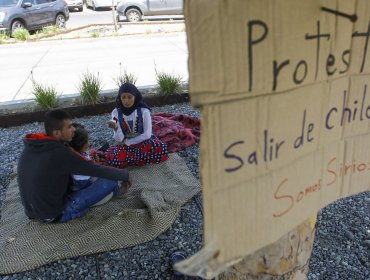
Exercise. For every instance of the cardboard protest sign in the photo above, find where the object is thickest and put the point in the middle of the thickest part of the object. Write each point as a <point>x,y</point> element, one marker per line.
<point>284,91</point>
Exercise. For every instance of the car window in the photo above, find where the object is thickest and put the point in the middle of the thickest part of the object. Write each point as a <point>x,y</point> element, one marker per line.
<point>38,2</point>
<point>29,1</point>
<point>8,3</point>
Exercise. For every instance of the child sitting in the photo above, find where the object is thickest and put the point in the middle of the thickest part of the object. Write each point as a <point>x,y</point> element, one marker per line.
<point>80,143</point>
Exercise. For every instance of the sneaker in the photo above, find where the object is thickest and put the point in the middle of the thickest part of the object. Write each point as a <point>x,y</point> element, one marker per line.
<point>176,257</point>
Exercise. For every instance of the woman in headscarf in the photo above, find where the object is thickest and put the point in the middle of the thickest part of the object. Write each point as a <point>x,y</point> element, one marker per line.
<point>132,126</point>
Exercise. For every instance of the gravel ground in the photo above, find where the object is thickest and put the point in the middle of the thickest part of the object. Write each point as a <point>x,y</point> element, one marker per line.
<point>341,247</point>
<point>145,261</point>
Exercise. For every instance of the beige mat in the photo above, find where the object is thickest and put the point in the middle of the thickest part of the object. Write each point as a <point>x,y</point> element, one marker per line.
<point>148,209</point>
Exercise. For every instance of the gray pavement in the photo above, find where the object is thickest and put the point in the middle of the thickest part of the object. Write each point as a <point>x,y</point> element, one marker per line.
<point>62,62</point>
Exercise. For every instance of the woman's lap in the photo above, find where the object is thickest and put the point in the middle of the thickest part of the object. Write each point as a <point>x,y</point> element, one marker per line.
<point>146,152</point>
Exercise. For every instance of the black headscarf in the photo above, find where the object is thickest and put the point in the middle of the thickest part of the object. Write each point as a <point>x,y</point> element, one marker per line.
<point>130,88</point>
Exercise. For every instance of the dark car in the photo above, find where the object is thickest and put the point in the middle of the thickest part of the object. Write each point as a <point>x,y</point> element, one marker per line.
<point>32,14</point>
<point>135,10</point>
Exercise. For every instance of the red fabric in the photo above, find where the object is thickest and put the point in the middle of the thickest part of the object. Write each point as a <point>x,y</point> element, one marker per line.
<point>121,155</point>
<point>176,130</point>
<point>39,136</point>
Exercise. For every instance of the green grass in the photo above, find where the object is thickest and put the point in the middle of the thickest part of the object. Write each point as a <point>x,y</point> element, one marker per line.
<point>46,97</point>
<point>89,88</point>
<point>50,30</point>
<point>168,83</point>
<point>21,34</point>
<point>4,37</point>
<point>95,34</point>
<point>126,77</point>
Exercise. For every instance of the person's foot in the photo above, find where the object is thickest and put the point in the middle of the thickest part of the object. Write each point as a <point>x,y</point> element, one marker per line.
<point>124,186</point>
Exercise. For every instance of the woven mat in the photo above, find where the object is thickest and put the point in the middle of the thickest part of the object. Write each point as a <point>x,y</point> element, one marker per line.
<point>147,210</point>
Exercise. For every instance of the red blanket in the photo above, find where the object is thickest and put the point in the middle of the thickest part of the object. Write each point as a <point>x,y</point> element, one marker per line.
<point>176,130</point>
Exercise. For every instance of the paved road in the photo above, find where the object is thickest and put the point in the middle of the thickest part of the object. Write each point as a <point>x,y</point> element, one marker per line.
<point>88,16</point>
<point>105,16</point>
<point>61,63</point>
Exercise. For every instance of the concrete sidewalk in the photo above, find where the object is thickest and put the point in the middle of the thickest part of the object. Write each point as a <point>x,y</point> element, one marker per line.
<point>62,60</point>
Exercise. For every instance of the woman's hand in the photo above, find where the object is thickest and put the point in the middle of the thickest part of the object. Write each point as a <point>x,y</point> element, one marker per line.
<point>112,124</point>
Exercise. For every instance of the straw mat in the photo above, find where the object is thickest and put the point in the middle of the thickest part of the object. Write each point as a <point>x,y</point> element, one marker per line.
<point>147,210</point>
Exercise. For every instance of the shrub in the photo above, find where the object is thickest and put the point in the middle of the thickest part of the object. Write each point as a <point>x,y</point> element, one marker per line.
<point>95,34</point>
<point>3,37</point>
<point>51,30</point>
<point>168,83</point>
<point>46,97</point>
<point>126,77</point>
<point>21,34</point>
<point>89,88</point>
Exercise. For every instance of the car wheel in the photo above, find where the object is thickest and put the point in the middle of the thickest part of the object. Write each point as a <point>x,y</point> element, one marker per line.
<point>17,24</point>
<point>81,9</point>
<point>60,21</point>
<point>133,15</point>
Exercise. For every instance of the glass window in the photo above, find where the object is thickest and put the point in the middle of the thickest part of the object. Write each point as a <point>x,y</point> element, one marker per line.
<point>38,2</point>
<point>8,3</point>
<point>29,1</point>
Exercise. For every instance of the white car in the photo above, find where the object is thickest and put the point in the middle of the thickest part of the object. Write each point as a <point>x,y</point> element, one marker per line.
<point>97,4</point>
<point>75,4</point>
<point>135,10</point>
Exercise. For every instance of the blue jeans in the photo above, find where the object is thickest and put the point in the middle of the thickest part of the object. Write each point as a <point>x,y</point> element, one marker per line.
<point>79,202</point>
<point>80,184</point>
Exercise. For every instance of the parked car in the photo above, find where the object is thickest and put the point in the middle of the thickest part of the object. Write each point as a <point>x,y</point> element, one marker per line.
<point>32,14</point>
<point>135,10</point>
<point>75,4</point>
<point>97,4</point>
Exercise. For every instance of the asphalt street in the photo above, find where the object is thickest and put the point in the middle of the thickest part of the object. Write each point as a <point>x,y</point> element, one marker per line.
<point>105,16</point>
<point>62,63</point>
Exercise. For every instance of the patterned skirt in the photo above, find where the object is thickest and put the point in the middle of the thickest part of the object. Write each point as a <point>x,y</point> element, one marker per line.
<point>146,152</point>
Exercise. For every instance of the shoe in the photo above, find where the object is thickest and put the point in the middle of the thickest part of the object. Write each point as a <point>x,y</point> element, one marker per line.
<point>176,257</point>
<point>104,148</point>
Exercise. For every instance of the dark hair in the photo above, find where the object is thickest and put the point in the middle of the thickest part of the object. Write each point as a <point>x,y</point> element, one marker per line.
<point>80,137</point>
<point>132,89</point>
<point>54,120</point>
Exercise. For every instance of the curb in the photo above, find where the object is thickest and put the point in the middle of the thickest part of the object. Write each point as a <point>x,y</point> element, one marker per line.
<point>77,111</point>
<point>52,37</point>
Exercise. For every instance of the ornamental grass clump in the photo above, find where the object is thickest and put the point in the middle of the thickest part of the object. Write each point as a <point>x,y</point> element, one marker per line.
<point>3,37</point>
<point>46,97</point>
<point>89,88</point>
<point>95,34</point>
<point>21,34</point>
<point>51,30</point>
<point>126,77</point>
<point>168,83</point>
